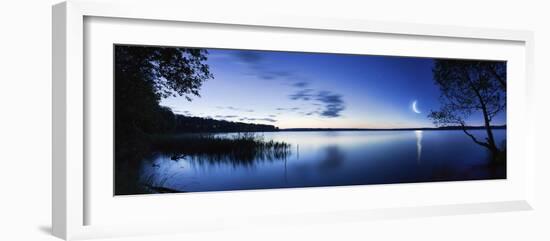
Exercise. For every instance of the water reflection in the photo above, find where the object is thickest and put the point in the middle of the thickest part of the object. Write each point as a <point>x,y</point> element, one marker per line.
<point>333,159</point>
<point>286,175</point>
<point>418,145</point>
<point>344,158</point>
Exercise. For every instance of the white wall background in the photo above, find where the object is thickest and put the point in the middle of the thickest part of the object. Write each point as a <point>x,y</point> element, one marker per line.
<point>25,119</point>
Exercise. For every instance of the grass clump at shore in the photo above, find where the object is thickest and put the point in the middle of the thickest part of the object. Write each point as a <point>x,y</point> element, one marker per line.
<point>237,148</point>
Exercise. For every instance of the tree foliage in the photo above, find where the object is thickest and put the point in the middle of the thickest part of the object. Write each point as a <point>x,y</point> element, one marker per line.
<point>470,88</point>
<point>169,71</point>
<point>143,76</point>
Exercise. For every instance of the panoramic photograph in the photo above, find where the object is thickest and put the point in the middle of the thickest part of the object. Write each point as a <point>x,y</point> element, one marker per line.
<point>203,119</point>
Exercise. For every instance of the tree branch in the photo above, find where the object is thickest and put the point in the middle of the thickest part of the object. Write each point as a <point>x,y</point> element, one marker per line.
<point>473,137</point>
<point>498,77</point>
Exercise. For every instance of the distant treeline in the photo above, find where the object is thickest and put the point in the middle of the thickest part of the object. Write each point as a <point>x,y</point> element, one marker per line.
<point>185,124</point>
<point>168,122</point>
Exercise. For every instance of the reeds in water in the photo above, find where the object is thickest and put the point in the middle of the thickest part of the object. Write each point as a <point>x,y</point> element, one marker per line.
<point>239,148</point>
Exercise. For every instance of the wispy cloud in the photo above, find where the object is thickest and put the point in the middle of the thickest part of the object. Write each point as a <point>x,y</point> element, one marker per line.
<point>301,84</point>
<point>333,103</point>
<point>303,94</point>
<point>248,56</point>
<point>288,109</point>
<point>234,108</point>
<point>310,113</point>
<point>328,104</point>
<point>225,116</point>
<point>325,103</point>
<point>255,61</point>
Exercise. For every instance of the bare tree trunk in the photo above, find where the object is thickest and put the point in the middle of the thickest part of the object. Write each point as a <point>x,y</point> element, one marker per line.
<point>491,145</point>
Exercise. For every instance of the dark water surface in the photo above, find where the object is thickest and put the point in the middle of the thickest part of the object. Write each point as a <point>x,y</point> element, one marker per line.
<point>333,158</point>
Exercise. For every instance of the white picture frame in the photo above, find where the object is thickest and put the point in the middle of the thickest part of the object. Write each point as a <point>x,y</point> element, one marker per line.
<point>73,188</point>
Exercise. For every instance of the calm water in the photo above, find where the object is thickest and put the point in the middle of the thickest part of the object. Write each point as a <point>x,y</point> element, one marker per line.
<point>335,158</point>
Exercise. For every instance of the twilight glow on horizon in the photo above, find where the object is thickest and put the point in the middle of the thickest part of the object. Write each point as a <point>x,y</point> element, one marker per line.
<point>313,90</point>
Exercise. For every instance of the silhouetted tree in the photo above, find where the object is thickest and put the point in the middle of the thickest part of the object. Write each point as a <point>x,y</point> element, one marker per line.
<point>498,71</point>
<point>467,88</point>
<point>143,76</point>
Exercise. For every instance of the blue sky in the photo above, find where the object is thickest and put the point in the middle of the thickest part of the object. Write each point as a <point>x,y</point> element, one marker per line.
<point>313,90</point>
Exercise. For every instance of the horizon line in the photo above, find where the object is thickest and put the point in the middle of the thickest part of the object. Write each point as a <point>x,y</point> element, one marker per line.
<point>399,128</point>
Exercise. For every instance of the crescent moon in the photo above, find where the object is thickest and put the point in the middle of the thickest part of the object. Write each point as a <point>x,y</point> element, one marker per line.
<point>415,109</point>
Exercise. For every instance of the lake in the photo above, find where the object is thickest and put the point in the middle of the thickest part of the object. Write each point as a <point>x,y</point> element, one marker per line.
<point>334,158</point>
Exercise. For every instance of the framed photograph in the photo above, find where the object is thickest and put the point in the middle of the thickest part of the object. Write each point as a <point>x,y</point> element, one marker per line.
<point>204,122</point>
